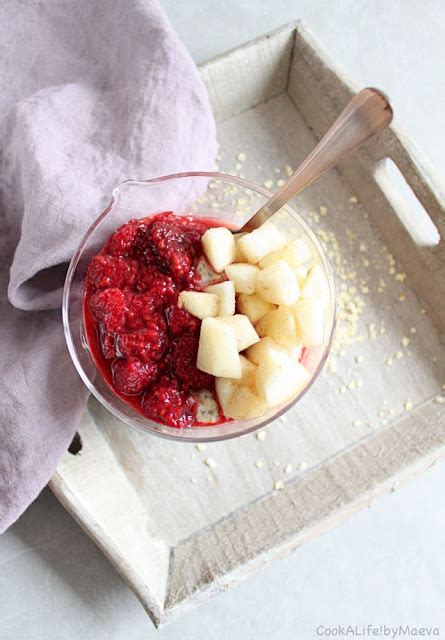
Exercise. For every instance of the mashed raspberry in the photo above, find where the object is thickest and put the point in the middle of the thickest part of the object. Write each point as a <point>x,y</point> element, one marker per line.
<point>143,344</point>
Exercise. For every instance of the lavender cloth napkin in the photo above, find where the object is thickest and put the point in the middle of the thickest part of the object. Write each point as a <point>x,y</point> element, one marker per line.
<point>91,93</point>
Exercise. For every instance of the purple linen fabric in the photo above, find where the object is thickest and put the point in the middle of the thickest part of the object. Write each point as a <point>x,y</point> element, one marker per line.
<point>91,93</point>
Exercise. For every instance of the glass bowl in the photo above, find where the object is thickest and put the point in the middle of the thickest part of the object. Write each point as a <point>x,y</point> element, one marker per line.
<point>217,196</point>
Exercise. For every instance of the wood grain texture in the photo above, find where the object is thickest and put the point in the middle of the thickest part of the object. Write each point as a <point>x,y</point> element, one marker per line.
<point>179,532</point>
<point>250,74</point>
<point>215,558</point>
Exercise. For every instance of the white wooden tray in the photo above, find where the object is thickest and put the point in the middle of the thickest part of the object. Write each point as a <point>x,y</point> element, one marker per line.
<point>180,531</point>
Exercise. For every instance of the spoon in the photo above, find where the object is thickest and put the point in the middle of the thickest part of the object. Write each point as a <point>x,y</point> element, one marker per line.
<point>367,113</point>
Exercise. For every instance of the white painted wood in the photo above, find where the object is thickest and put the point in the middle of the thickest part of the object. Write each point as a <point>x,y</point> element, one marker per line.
<point>178,531</point>
<point>250,74</point>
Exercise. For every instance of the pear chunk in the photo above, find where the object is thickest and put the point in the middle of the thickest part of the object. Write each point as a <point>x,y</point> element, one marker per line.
<point>265,349</point>
<point>309,314</point>
<point>219,247</point>
<point>279,378</point>
<point>253,307</point>
<point>244,330</point>
<point>278,284</point>
<point>244,276</point>
<point>199,304</point>
<point>315,284</point>
<point>224,388</point>
<point>296,253</point>
<point>217,349</point>
<point>279,325</point>
<point>258,243</point>
<point>245,403</point>
<point>226,297</point>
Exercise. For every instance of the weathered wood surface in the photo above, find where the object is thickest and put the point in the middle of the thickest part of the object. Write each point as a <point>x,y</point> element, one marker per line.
<point>179,531</point>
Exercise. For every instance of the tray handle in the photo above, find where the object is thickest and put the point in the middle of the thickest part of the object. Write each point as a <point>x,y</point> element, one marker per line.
<point>420,177</point>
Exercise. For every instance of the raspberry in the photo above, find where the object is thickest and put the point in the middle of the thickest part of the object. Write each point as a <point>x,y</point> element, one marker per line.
<point>110,308</point>
<point>126,239</point>
<point>110,271</point>
<point>181,321</point>
<point>166,403</point>
<point>148,345</point>
<point>140,310</point>
<point>173,253</point>
<point>184,362</point>
<point>160,285</point>
<point>107,344</point>
<point>132,376</point>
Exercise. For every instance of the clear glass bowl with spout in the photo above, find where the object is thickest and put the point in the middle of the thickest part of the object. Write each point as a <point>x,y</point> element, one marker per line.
<point>217,196</point>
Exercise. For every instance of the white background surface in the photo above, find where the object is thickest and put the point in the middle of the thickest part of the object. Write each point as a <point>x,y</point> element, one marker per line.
<point>384,566</point>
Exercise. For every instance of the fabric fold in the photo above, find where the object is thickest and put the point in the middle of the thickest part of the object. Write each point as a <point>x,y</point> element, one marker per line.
<point>91,94</point>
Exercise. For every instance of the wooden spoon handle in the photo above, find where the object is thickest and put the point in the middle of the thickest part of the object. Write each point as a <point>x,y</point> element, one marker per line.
<point>366,114</point>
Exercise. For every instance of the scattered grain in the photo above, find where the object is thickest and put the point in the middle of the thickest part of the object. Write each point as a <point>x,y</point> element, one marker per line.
<point>288,468</point>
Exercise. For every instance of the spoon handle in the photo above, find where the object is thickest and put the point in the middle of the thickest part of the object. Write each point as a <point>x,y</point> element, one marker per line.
<point>367,113</point>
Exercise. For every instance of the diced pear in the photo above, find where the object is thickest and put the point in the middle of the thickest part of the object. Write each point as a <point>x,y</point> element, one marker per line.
<point>315,284</point>
<point>245,403</point>
<point>294,350</point>
<point>278,284</point>
<point>258,243</point>
<point>199,304</point>
<point>244,330</point>
<point>219,247</point>
<point>224,388</point>
<point>301,273</point>
<point>309,314</point>
<point>264,350</point>
<point>298,252</point>
<point>217,349</point>
<point>244,276</point>
<point>272,257</point>
<point>239,256</point>
<point>248,370</point>
<point>279,325</point>
<point>279,379</point>
<point>253,307</point>
<point>226,297</point>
